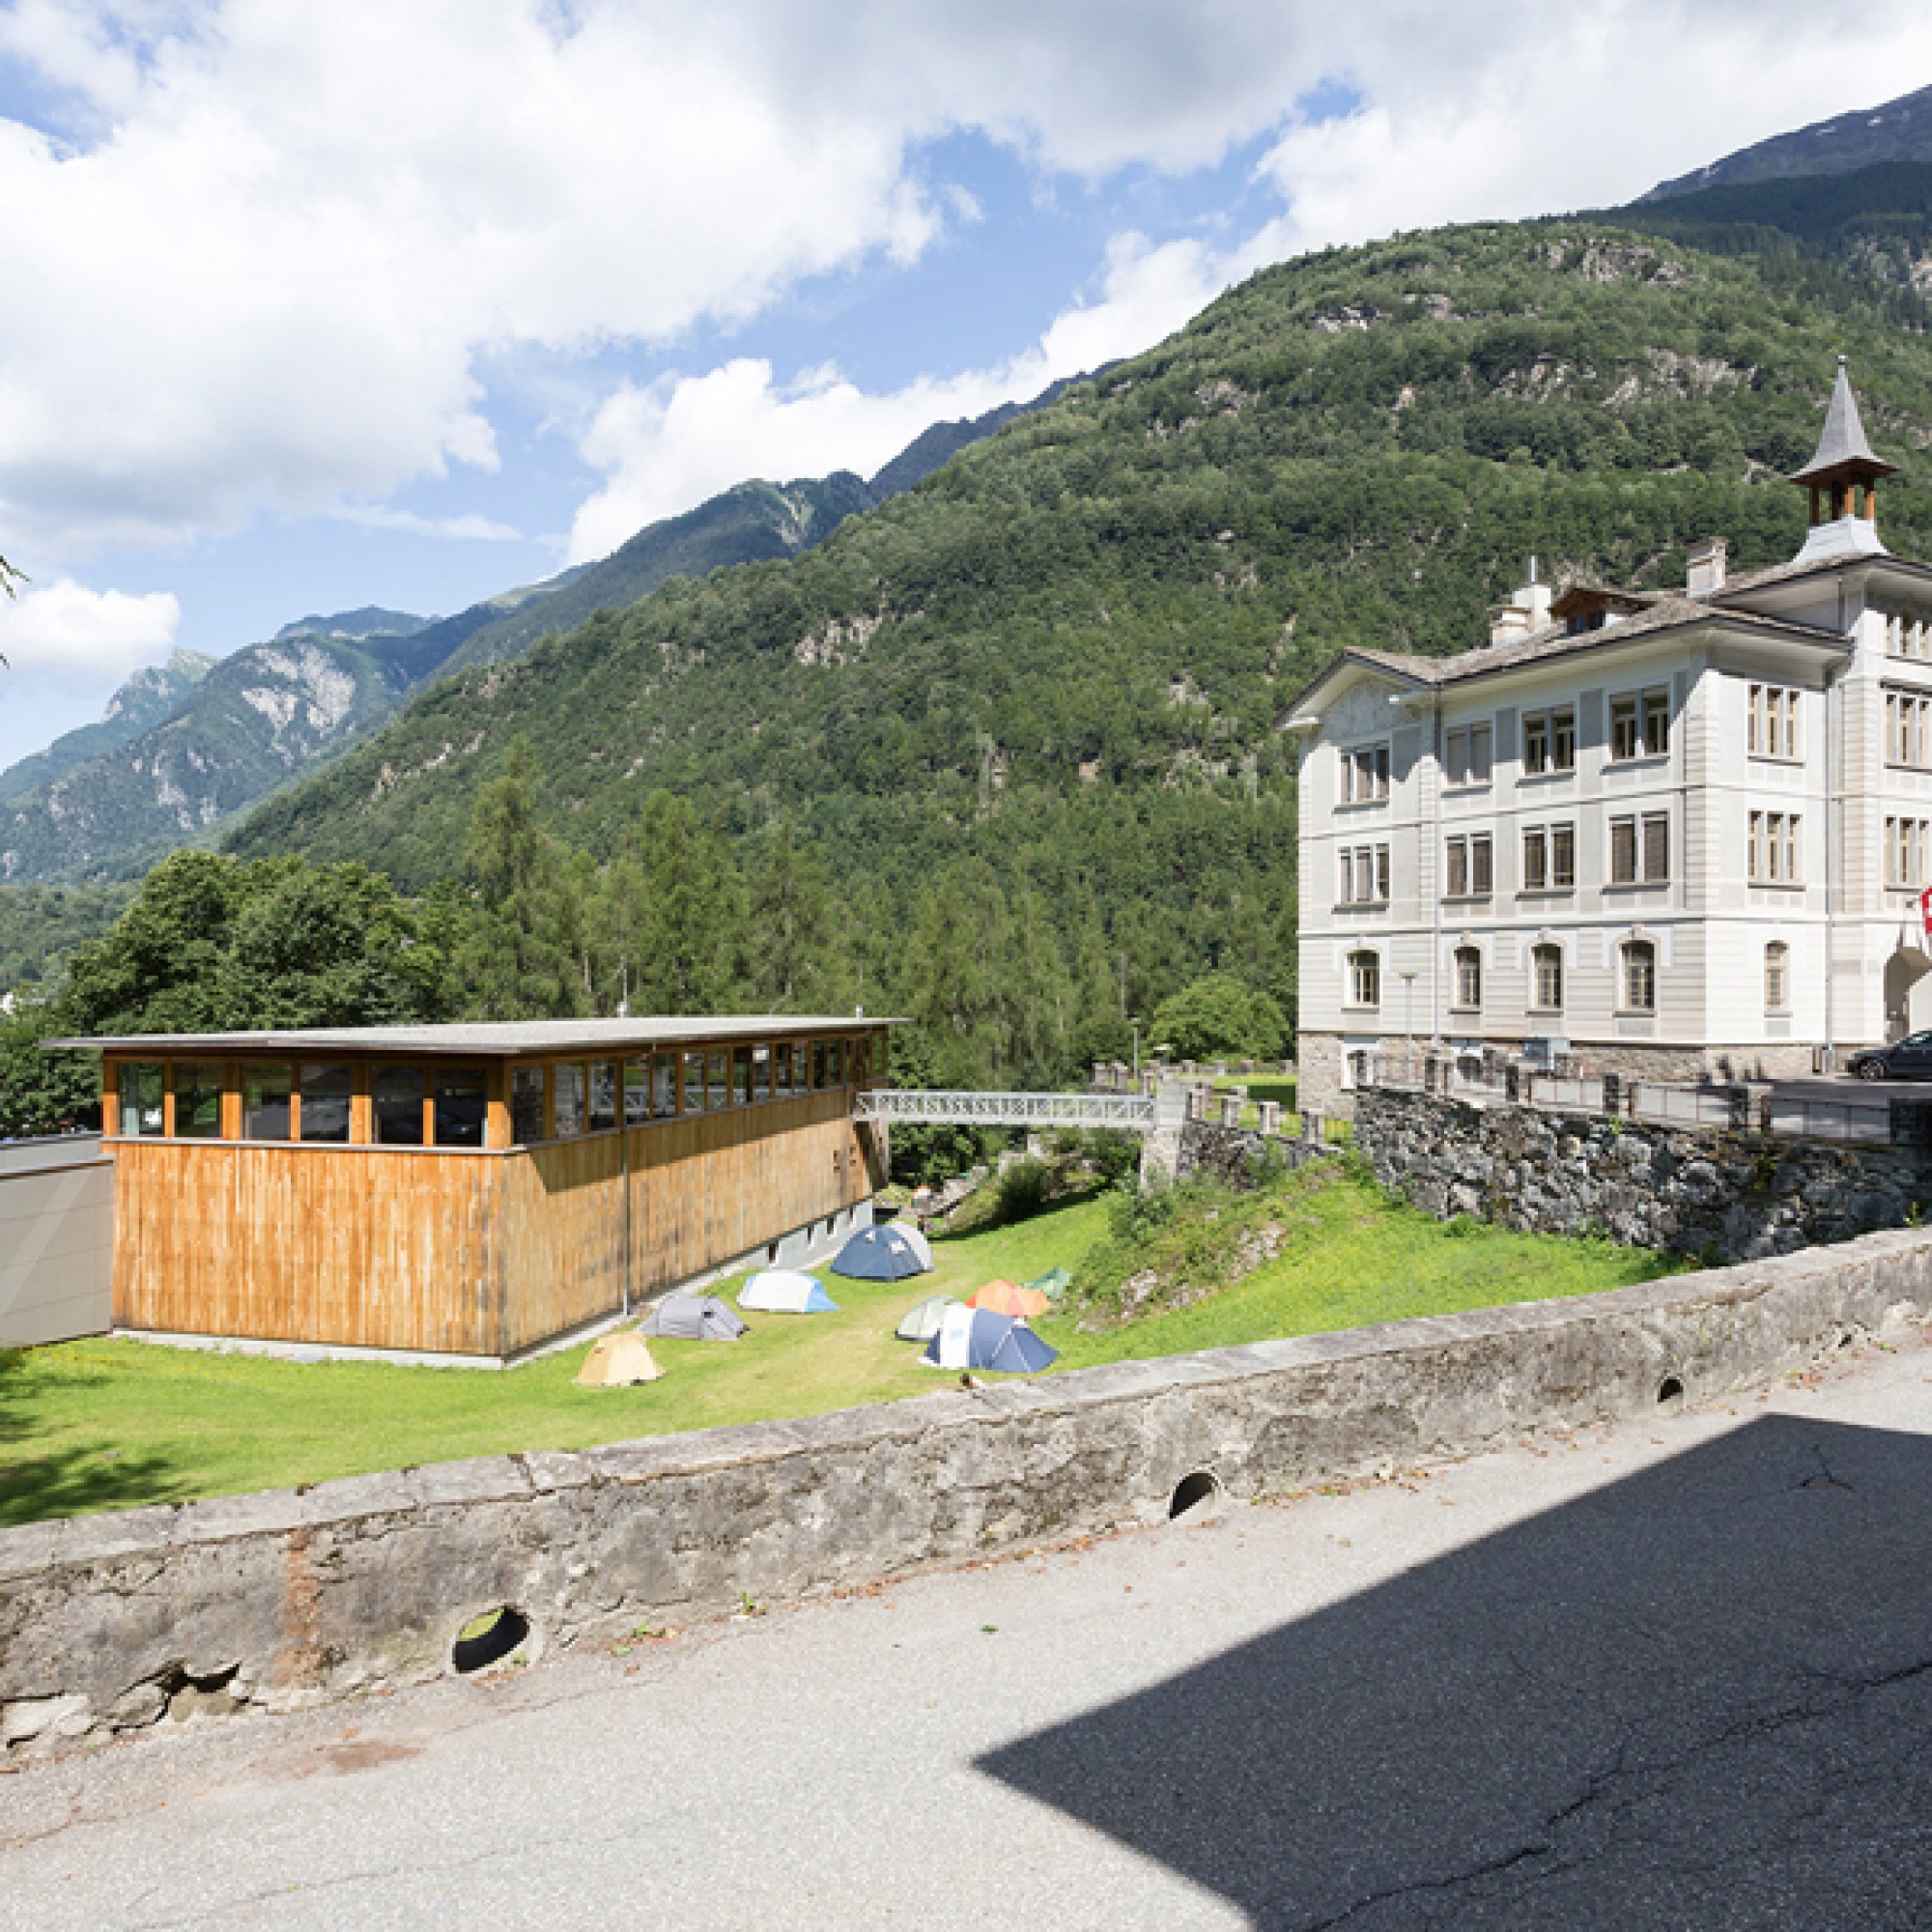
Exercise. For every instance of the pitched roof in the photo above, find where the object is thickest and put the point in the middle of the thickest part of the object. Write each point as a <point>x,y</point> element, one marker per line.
<point>1842,444</point>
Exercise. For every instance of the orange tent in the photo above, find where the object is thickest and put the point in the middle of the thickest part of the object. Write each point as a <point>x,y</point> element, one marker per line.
<point>1008,1298</point>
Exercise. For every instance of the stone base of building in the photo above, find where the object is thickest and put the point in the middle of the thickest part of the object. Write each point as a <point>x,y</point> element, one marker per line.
<point>1326,1083</point>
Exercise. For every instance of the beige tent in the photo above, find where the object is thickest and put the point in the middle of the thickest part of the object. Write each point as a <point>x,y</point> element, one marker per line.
<point>618,1361</point>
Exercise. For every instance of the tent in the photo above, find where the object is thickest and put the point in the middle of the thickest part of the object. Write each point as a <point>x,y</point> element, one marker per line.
<point>972,1338</point>
<point>693,1317</point>
<point>920,1321</point>
<point>617,1361</point>
<point>1052,1284</point>
<point>786,1292</point>
<point>878,1254</point>
<point>915,1238</point>
<point>1008,1298</point>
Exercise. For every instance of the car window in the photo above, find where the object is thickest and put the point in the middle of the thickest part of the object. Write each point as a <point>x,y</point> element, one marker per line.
<point>1918,1039</point>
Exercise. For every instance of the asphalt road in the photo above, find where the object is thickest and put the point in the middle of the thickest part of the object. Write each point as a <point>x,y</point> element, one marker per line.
<point>1677,1674</point>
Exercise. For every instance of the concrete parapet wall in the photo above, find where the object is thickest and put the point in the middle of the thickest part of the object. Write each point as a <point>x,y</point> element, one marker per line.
<point>56,1239</point>
<point>1722,1193</point>
<point>294,1596</point>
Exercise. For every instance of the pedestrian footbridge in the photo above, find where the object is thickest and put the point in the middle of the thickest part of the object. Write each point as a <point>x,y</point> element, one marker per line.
<point>1131,1113</point>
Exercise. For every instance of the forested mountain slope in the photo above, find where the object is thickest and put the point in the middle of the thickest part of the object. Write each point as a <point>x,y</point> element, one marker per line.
<point>1896,130</point>
<point>151,693</point>
<point>1067,653</point>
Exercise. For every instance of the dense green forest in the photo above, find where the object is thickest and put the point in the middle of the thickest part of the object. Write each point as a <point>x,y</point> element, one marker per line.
<point>1006,752</point>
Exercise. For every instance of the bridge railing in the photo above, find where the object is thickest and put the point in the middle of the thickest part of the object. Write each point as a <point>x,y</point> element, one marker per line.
<point>1132,1113</point>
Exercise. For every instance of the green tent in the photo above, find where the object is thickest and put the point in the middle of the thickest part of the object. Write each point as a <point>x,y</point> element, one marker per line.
<point>1052,1284</point>
<point>922,1319</point>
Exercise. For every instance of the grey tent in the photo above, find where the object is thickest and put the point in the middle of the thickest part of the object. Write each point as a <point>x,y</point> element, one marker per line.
<point>695,1318</point>
<point>921,1321</point>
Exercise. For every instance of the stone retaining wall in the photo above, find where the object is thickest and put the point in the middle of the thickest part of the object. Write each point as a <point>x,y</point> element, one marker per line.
<point>1727,1195</point>
<point>1233,1154</point>
<point>294,1596</point>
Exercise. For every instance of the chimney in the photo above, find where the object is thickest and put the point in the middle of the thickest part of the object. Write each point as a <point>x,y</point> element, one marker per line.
<point>1704,567</point>
<point>1527,611</point>
<point>1508,621</point>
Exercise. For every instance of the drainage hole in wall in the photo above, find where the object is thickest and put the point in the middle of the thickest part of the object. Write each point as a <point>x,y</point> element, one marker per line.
<point>1668,1390</point>
<point>487,1640</point>
<point>1194,1495</point>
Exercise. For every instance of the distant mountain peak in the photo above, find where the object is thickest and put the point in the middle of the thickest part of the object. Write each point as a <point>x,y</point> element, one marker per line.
<point>1897,131</point>
<point>370,621</point>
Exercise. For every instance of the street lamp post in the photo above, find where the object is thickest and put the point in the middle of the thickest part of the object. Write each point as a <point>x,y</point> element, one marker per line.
<point>1408,1019</point>
<point>1136,1025</point>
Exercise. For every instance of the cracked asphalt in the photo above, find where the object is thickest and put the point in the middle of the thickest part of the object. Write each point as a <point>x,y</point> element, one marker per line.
<point>1677,1673</point>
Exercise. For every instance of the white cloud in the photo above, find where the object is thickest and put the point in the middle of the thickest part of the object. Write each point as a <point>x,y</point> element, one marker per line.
<point>64,634</point>
<point>670,444</point>
<point>470,527</point>
<point>277,241</point>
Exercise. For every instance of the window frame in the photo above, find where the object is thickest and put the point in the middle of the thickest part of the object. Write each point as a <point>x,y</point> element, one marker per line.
<point>1637,976</point>
<point>1778,977</point>
<point>1467,979</point>
<point>1546,959</point>
<point>1365,979</point>
<point>1365,773</point>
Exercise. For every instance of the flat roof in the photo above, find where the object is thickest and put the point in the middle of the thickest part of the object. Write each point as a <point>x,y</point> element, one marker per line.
<point>503,1038</point>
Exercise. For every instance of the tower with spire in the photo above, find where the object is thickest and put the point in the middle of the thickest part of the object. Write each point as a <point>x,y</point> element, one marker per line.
<point>1841,468</point>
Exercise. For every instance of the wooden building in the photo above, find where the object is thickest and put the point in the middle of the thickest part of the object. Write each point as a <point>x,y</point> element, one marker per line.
<point>473,1191</point>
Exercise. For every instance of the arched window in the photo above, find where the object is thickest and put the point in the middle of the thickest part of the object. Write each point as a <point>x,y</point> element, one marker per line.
<point>1365,979</point>
<point>1639,975</point>
<point>1546,977</point>
<point>1468,977</point>
<point>1778,977</point>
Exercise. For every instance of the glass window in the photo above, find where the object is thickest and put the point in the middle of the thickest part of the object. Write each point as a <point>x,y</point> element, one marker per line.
<point>527,1105</point>
<point>1535,859</point>
<point>326,1103</point>
<point>1562,856</point>
<point>741,1076</point>
<point>198,1099</point>
<point>396,1099</point>
<point>694,1083</point>
<point>1776,977</point>
<point>1468,977</point>
<point>817,1065</point>
<point>141,1084</point>
<point>761,1073</point>
<point>1536,744</point>
<point>1365,979</point>
<point>1656,846</point>
<point>567,1098</point>
<point>603,1096</point>
<point>1624,740</point>
<point>717,1079</point>
<point>1466,754</point>
<point>1547,977</point>
<point>1365,774</point>
<point>834,1062</point>
<point>663,1086</point>
<point>1655,723</point>
<point>781,1069</point>
<point>266,1113</point>
<point>636,1093</point>
<point>462,1095</point>
<point>1640,976</point>
<point>1623,851</point>
<point>1563,740</point>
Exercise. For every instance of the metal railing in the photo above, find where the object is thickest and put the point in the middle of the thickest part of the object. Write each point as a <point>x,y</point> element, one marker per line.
<point>1131,1112</point>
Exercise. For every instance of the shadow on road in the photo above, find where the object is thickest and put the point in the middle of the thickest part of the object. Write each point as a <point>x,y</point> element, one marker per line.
<point>1699,1697</point>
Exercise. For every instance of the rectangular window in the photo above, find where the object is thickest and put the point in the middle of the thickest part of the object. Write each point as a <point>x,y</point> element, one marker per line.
<point>1546,979</point>
<point>396,1101</point>
<point>1365,875</point>
<point>1470,871</point>
<point>1467,759</point>
<point>835,1061</point>
<point>1655,723</point>
<point>603,1096</point>
<point>1640,976</point>
<point>141,1084</point>
<point>566,1088</point>
<point>1770,730</point>
<point>1455,879</point>
<point>694,1083</point>
<point>1535,859</point>
<point>1365,979</point>
<point>1908,729</point>
<point>1468,977</point>
<point>1562,856</point>
<point>198,1099</point>
<point>527,1106</point>
<point>328,1103</point>
<point>1625,742</point>
<point>266,1112</point>
<point>817,1065</point>
<point>663,1086</point>
<point>1623,851</point>
<point>1656,847</point>
<point>782,1070</point>
<point>1774,848</point>
<point>462,1105</point>
<point>1776,977</point>
<point>1365,774</point>
<point>741,1076</point>
<point>761,1073</point>
<point>1536,743</point>
<point>717,1080</point>
<point>636,1093</point>
<point>1563,740</point>
<point>1907,842</point>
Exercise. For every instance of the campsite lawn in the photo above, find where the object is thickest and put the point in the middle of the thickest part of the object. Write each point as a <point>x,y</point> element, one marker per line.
<point>100,1425</point>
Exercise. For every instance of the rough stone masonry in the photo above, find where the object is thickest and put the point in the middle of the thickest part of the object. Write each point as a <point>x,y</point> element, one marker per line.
<point>1724,1195</point>
<point>295,1596</point>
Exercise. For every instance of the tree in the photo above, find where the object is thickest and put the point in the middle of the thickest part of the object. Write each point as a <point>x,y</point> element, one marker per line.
<point>790,942</point>
<point>43,1093</point>
<point>1219,1016</point>
<point>674,918</point>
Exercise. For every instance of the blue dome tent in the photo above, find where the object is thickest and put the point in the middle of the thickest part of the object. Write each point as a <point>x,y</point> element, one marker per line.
<point>879,1254</point>
<point>975,1338</point>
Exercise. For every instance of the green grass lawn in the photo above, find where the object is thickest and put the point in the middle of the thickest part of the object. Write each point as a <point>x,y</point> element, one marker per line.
<point>107,1424</point>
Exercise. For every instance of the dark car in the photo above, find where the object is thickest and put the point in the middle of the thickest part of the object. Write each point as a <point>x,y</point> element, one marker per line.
<point>1907,1058</point>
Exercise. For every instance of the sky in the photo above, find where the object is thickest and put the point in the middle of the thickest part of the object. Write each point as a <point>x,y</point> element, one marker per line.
<point>408,301</point>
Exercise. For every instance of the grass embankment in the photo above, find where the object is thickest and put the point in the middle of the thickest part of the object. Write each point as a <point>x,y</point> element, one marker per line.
<point>108,1425</point>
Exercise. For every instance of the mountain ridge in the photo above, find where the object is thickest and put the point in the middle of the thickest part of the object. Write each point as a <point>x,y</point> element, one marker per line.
<point>1899,129</point>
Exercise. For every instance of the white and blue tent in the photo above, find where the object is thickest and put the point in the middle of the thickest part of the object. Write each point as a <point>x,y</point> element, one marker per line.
<point>786,1292</point>
<point>880,1254</point>
<point>976,1338</point>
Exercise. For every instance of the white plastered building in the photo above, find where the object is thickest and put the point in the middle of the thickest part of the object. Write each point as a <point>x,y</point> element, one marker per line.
<point>1666,835</point>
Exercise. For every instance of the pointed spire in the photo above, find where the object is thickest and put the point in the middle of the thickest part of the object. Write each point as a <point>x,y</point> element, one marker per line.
<point>1842,444</point>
